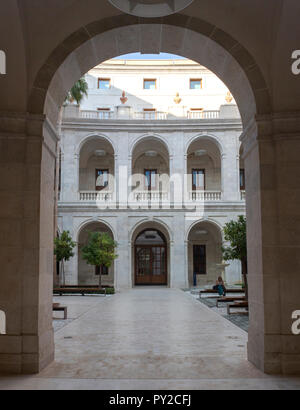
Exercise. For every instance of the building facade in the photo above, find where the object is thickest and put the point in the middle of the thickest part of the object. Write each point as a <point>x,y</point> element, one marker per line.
<point>152,157</point>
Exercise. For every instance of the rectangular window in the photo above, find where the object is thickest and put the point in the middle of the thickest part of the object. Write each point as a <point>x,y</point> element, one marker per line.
<point>150,84</point>
<point>101,179</point>
<point>199,256</point>
<point>104,83</point>
<point>242,180</point>
<point>104,113</point>
<point>151,179</point>
<point>150,114</point>
<point>198,179</point>
<point>103,270</point>
<point>196,113</point>
<point>195,83</point>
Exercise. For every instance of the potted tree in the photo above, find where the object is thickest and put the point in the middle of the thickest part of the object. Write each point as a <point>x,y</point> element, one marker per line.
<point>100,251</point>
<point>235,232</point>
<point>78,91</point>
<point>63,250</point>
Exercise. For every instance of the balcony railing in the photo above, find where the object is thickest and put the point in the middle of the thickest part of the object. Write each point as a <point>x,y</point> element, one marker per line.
<point>97,115</point>
<point>203,115</point>
<point>95,196</point>
<point>141,196</point>
<point>148,115</point>
<point>205,196</point>
<point>154,196</point>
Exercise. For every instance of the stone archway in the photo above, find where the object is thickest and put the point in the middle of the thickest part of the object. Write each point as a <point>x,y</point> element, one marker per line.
<point>204,253</point>
<point>150,171</point>
<point>192,38</point>
<point>89,275</point>
<point>162,239</point>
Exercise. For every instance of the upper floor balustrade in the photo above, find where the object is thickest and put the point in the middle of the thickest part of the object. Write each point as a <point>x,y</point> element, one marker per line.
<point>228,111</point>
<point>149,115</point>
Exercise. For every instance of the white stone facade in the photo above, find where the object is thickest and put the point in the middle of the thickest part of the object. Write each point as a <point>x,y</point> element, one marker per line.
<point>174,145</point>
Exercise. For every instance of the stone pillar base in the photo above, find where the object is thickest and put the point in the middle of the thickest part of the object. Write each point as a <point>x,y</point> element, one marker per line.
<point>26,354</point>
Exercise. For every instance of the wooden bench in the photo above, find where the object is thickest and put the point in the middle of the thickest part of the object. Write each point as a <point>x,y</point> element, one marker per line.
<point>58,308</point>
<point>79,291</point>
<point>215,292</point>
<point>237,305</point>
<point>230,299</point>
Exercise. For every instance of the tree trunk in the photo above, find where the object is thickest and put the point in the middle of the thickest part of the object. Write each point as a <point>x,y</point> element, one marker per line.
<point>63,274</point>
<point>100,278</point>
<point>245,276</point>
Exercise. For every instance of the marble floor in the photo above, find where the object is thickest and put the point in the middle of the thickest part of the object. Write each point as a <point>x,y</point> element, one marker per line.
<point>147,338</point>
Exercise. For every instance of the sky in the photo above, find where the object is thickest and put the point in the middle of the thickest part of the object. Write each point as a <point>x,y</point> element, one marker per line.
<point>139,56</point>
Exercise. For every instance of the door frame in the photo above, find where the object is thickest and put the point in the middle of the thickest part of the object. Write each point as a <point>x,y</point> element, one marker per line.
<point>165,246</point>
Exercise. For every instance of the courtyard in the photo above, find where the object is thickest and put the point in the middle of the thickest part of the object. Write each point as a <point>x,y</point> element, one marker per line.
<point>147,338</point>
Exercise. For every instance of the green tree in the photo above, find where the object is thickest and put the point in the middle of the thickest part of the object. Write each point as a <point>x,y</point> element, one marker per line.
<point>63,250</point>
<point>78,91</point>
<point>235,232</point>
<point>100,251</point>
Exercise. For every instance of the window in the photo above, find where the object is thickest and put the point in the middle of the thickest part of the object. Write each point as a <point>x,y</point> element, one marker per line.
<point>242,180</point>
<point>198,179</point>
<point>150,114</point>
<point>151,179</point>
<point>104,113</point>
<point>195,83</point>
<point>104,83</point>
<point>150,84</point>
<point>103,270</point>
<point>199,256</point>
<point>101,179</point>
<point>196,113</point>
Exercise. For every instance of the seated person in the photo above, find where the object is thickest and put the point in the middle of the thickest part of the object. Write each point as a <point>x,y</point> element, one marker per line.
<point>220,286</point>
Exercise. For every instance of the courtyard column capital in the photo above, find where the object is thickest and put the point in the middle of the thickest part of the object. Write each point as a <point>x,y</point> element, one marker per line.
<point>271,127</point>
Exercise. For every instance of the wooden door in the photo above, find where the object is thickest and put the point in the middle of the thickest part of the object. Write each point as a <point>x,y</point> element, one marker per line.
<point>151,265</point>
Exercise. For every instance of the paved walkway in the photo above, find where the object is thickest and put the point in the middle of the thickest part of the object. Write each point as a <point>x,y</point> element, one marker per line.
<point>148,338</point>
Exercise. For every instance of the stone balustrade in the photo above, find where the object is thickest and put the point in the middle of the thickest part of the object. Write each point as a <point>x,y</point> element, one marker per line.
<point>148,115</point>
<point>95,196</point>
<point>205,195</point>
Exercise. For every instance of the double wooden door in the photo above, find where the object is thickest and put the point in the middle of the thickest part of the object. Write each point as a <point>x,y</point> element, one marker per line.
<point>151,265</point>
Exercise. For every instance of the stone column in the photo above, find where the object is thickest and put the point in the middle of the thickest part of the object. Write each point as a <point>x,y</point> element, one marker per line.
<point>71,266</point>
<point>230,171</point>
<point>177,254</point>
<point>177,171</point>
<point>122,171</point>
<point>123,276</point>
<point>70,174</point>
<point>27,161</point>
<point>272,163</point>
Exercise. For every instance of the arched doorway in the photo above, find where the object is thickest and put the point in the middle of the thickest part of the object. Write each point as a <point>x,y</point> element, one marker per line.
<point>151,263</point>
<point>204,253</point>
<point>151,254</point>
<point>89,275</point>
